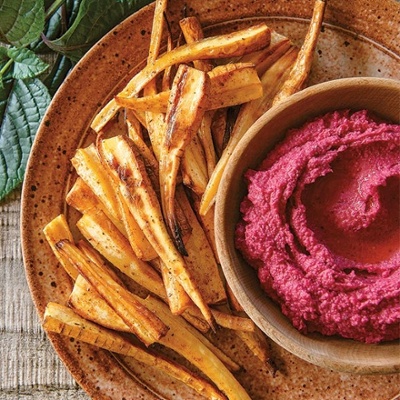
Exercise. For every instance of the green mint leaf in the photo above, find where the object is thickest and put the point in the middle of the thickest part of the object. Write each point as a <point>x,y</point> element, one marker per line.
<point>26,63</point>
<point>91,23</point>
<point>21,22</point>
<point>52,30</point>
<point>57,24</point>
<point>22,106</point>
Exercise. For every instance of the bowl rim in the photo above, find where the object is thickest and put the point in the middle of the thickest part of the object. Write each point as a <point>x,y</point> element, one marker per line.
<point>327,352</point>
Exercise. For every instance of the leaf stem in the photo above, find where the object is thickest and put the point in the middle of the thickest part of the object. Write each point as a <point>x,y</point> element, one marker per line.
<point>53,8</point>
<point>6,66</point>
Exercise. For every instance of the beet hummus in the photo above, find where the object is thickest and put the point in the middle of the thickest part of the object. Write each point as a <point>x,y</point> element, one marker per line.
<point>321,224</point>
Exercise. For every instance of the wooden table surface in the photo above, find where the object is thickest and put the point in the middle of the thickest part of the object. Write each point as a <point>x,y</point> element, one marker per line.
<point>29,367</point>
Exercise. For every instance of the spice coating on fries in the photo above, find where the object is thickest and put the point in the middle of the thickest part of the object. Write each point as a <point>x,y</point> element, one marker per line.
<point>146,278</point>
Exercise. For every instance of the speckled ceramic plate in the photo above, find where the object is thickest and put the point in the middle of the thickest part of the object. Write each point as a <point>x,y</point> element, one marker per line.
<point>360,38</point>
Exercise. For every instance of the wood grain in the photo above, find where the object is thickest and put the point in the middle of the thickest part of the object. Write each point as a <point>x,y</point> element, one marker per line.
<point>29,367</point>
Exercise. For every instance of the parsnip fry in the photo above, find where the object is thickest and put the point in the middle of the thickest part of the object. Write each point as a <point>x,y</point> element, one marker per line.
<point>266,57</point>
<point>90,305</point>
<point>207,223</point>
<point>61,319</point>
<point>57,229</point>
<point>177,323</point>
<point>233,84</point>
<point>82,198</point>
<point>155,123</point>
<point>200,260</point>
<point>193,167</point>
<point>273,63</point>
<point>184,114</point>
<point>234,322</point>
<point>103,236</point>
<point>109,242</point>
<point>233,301</point>
<point>154,120</point>
<point>271,81</point>
<point>156,29</point>
<point>178,299</point>
<point>147,154</point>
<point>88,167</point>
<point>193,32</point>
<point>206,139</point>
<point>96,258</point>
<point>135,129</point>
<point>256,341</point>
<point>302,66</point>
<point>152,103</point>
<point>186,344</point>
<point>219,127</point>
<point>229,45</point>
<point>142,322</point>
<point>136,187</point>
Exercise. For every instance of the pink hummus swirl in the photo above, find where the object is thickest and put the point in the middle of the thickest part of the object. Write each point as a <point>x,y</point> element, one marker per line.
<point>321,224</point>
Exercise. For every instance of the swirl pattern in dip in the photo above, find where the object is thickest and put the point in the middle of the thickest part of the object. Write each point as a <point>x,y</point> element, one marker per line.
<point>321,224</point>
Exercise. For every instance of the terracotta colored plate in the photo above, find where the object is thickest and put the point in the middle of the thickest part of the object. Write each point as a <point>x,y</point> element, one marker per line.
<point>360,39</point>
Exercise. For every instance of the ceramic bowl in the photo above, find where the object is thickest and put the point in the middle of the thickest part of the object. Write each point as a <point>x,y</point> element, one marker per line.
<point>378,95</point>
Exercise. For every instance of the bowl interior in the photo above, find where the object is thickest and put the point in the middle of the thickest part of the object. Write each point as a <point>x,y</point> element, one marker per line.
<point>378,95</point>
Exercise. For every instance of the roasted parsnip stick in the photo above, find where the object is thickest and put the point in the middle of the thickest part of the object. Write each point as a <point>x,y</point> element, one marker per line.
<point>177,298</point>
<point>90,305</point>
<point>256,341</point>
<point>88,167</point>
<point>200,260</point>
<point>302,66</point>
<point>193,32</point>
<point>193,166</point>
<point>58,229</point>
<point>185,111</point>
<point>155,120</point>
<point>234,322</point>
<point>157,30</point>
<point>82,198</point>
<point>145,151</point>
<point>141,321</point>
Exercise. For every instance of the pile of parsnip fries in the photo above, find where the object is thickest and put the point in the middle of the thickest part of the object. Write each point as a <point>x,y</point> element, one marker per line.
<point>146,190</point>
